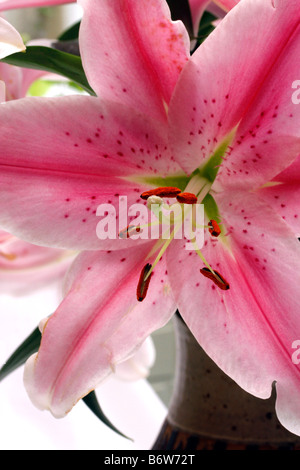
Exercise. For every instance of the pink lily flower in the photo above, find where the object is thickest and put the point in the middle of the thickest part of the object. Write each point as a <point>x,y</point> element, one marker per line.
<point>25,267</point>
<point>198,7</point>
<point>17,81</point>
<point>160,116</point>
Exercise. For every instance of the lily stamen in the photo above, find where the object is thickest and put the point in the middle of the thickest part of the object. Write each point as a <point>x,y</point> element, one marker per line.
<point>159,249</point>
<point>187,198</point>
<point>214,228</point>
<point>216,278</point>
<point>164,246</point>
<point>144,282</point>
<point>161,192</point>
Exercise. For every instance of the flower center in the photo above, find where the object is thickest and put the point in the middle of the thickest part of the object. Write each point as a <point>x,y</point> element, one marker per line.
<point>196,190</point>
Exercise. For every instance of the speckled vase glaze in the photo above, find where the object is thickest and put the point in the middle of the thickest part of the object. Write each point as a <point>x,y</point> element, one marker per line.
<point>208,411</point>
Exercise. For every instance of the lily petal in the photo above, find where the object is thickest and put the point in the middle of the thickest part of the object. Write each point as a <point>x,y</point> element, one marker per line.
<point>84,339</point>
<point>70,155</point>
<point>249,329</point>
<point>16,254</point>
<point>18,80</point>
<point>139,365</point>
<point>226,4</point>
<point>13,4</point>
<point>230,79</point>
<point>10,39</point>
<point>12,77</point>
<point>25,267</point>
<point>283,194</point>
<point>197,8</point>
<point>151,48</point>
<point>21,281</point>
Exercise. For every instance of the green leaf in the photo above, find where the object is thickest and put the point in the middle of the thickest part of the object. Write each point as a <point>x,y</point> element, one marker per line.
<point>206,20</point>
<point>71,33</point>
<point>20,356</point>
<point>91,401</point>
<point>52,61</point>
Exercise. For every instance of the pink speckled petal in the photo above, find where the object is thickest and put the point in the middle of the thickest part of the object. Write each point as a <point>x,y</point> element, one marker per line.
<point>99,324</point>
<point>249,329</point>
<point>70,155</point>
<point>268,137</point>
<point>132,52</point>
<point>284,196</point>
<point>231,80</point>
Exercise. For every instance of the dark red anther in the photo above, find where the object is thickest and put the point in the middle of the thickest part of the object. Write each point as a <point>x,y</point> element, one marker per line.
<point>143,284</point>
<point>161,192</point>
<point>187,198</point>
<point>214,228</point>
<point>216,278</point>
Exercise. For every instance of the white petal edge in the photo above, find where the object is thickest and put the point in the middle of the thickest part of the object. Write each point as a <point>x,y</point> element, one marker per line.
<point>10,40</point>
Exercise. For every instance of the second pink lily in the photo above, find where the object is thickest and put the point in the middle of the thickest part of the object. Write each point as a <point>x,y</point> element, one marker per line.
<point>165,119</point>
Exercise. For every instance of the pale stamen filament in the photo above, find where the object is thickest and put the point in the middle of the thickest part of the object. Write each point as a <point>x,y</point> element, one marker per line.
<point>162,250</point>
